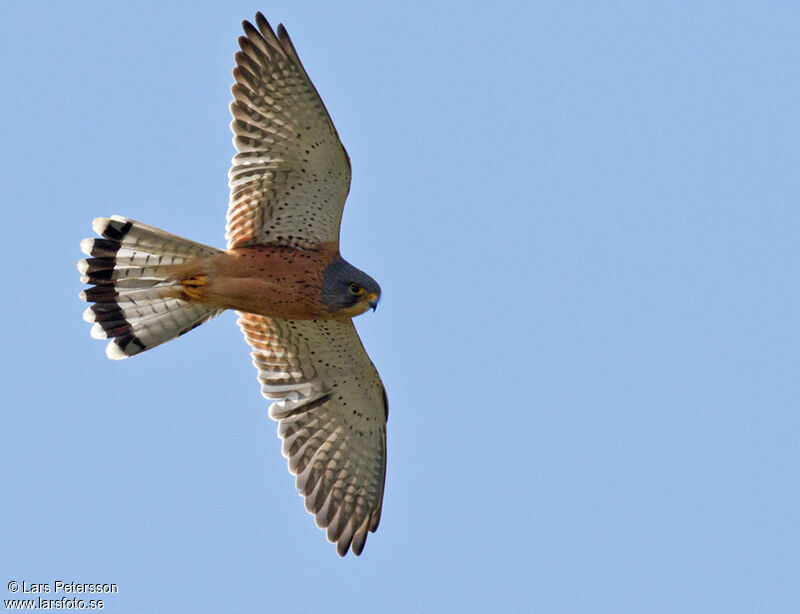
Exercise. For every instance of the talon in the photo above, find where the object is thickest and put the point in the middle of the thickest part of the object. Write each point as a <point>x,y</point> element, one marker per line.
<point>193,286</point>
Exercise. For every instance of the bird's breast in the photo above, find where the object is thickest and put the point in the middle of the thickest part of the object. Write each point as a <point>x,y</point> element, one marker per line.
<point>274,281</point>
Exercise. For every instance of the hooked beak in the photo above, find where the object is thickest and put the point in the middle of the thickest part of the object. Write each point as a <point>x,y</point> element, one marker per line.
<point>372,301</point>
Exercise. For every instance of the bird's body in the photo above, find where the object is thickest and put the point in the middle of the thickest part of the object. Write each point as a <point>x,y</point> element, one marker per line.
<point>282,271</point>
<point>275,281</point>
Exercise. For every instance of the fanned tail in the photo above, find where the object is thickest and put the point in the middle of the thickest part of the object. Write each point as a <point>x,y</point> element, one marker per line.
<point>136,302</point>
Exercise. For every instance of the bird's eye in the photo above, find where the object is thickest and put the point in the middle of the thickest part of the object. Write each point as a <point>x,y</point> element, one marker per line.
<point>356,289</point>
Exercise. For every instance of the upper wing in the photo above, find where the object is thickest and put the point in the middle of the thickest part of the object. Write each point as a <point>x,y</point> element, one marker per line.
<point>332,411</point>
<point>291,175</point>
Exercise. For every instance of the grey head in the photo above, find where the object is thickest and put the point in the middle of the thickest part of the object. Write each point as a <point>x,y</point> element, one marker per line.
<point>348,290</point>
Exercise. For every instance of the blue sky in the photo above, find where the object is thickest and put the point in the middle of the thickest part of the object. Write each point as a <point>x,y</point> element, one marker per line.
<point>584,217</point>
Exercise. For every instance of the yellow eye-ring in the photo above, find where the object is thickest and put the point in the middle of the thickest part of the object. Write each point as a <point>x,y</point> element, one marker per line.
<point>356,289</point>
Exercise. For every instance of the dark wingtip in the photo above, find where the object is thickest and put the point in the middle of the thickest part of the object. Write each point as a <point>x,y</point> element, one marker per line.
<point>262,22</point>
<point>249,28</point>
<point>283,37</point>
<point>385,414</point>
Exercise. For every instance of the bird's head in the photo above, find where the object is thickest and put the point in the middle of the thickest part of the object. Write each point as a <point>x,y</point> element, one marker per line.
<point>348,291</point>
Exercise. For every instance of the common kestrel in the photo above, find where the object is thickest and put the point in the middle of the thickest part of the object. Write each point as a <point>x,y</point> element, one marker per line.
<point>283,273</point>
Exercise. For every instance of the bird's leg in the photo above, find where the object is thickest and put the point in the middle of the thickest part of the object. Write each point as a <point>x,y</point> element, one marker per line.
<point>193,287</point>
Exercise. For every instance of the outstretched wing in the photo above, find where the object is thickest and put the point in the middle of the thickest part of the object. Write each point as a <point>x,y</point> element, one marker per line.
<point>291,175</point>
<point>332,410</point>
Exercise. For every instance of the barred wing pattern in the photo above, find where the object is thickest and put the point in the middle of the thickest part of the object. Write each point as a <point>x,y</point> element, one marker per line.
<point>332,410</point>
<point>291,175</point>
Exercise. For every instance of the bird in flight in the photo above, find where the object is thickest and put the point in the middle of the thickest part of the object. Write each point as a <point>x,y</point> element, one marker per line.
<point>283,273</point>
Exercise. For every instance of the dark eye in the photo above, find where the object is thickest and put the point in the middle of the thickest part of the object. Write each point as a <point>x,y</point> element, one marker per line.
<point>356,289</point>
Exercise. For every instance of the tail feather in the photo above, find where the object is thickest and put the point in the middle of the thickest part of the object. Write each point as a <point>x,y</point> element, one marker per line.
<point>104,270</point>
<point>148,239</point>
<point>136,303</point>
